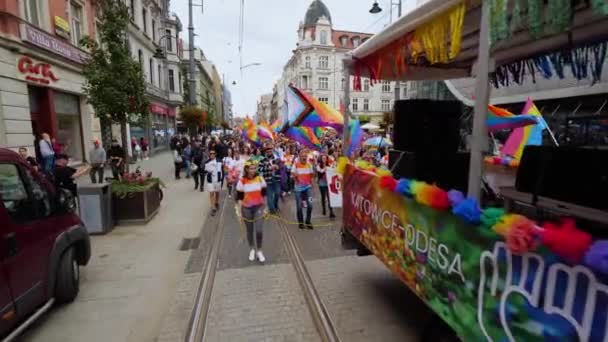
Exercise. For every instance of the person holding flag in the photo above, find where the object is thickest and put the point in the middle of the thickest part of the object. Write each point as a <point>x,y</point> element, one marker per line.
<point>302,172</point>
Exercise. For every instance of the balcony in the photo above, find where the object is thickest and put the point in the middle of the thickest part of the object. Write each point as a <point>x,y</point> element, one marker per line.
<point>176,98</point>
<point>156,91</point>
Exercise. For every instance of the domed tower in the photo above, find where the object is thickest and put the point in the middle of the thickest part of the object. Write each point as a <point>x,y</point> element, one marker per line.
<point>317,26</point>
<point>316,11</point>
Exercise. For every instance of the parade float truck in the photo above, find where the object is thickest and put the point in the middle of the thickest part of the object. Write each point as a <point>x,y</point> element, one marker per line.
<point>488,273</point>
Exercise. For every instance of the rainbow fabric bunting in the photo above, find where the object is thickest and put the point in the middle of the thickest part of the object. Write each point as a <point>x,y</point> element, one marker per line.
<point>355,138</point>
<point>523,136</point>
<point>305,136</point>
<point>265,132</point>
<point>499,119</point>
<point>250,130</point>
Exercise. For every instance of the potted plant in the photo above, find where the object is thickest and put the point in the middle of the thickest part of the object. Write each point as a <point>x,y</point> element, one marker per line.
<point>136,197</point>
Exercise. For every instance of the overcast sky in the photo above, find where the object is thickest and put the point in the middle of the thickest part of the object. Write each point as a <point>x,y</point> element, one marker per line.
<point>270,36</point>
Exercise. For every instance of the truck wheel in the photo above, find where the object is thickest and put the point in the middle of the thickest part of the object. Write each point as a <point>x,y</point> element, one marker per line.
<point>68,278</point>
<point>438,331</point>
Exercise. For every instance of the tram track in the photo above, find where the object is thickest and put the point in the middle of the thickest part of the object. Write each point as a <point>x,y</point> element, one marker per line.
<point>200,313</point>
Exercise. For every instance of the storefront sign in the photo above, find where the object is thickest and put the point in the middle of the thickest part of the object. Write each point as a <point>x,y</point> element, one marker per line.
<point>46,41</point>
<point>468,276</point>
<point>62,27</point>
<point>37,72</point>
<point>161,109</point>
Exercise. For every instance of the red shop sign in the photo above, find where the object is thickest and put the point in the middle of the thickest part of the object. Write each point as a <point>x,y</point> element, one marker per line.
<point>157,108</point>
<point>36,72</point>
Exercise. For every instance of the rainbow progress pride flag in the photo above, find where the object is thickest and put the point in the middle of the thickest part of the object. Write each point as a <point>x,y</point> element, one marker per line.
<point>499,119</point>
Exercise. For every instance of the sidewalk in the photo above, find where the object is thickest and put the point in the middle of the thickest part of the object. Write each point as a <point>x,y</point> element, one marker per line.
<point>134,271</point>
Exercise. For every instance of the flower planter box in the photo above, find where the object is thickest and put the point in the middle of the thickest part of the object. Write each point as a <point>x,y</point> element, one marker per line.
<point>136,207</point>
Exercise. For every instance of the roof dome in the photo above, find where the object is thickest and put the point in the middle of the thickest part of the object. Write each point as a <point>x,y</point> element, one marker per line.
<point>316,10</point>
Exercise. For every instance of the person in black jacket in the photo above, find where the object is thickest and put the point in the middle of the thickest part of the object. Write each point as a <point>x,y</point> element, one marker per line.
<point>198,156</point>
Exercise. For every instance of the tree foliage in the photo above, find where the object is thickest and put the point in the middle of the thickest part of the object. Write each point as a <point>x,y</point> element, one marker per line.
<point>114,84</point>
<point>193,118</point>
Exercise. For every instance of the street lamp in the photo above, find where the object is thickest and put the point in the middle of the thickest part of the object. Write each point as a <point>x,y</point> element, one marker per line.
<point>375,8</point>
<point>250,65</point>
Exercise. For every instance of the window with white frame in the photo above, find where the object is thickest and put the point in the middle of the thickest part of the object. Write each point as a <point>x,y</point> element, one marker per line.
<point>160,84</point>
<point>356,41</point>
<point>179,82</point>
<point>366,84</point>
<point>404,85</point>
<point>144,20</point>
<point>386,86</point>
<point>307,61</point>
<point>77,21</point>
<point>304,82</point>
<point>172,80</point>
<point>323,37</point>
<point>344,41</point>
<point>32,12</point>
<point>323,83</point>
<point>342,84</point>
<point>140,58</point>
<point>386,105</point>
<point>151,61</point>
<point>154,30</point>
<point>168,39</point>
<point>355,105</point>
<point>132,9</point>
<point>366,105</point>
<point>324,100</point>
<point>324,62</point>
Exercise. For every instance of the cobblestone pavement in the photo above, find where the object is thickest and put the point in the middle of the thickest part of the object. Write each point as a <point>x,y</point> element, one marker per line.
<point>259,303</point>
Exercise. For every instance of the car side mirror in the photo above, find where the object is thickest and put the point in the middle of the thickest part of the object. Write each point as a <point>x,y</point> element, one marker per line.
<point>66,201</point>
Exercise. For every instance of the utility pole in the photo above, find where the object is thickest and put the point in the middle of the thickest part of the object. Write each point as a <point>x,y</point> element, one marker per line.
<point>397,83</point>
<point>192,68</point>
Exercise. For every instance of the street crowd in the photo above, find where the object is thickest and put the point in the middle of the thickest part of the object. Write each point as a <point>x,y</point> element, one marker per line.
<point>259,176</point>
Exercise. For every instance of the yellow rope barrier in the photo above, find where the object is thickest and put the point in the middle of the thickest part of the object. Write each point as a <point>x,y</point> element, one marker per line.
<point>268,216</point>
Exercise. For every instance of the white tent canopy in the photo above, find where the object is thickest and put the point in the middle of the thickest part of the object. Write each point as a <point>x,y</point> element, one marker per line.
<point>475,57</point>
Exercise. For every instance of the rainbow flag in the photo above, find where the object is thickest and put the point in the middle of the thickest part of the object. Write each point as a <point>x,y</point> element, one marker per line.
<point>304,135</point>
<point>355,138</point>
<point>276,125</point>
<point>529,135</point>
<point>250,130</point>
<point>264,131</point>
<point>322,115</point>
<point>499,119</point>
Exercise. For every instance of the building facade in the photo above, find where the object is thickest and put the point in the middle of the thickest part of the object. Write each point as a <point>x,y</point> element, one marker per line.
<point>263,113</point>
<point>155,29</point>
<point>41,74</point>
<point>41,80</point>
<point>316,67</point>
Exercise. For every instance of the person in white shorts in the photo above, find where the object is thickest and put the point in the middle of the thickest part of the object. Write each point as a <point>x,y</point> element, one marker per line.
<point>213,179</point>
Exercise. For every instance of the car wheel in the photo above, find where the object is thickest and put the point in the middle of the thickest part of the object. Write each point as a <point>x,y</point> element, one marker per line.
<point>68,278</point>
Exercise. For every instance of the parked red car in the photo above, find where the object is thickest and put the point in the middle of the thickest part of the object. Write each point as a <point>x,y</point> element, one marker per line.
<point>42,245</point>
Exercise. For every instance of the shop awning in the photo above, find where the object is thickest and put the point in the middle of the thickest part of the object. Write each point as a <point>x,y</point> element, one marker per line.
<point>587,27</point>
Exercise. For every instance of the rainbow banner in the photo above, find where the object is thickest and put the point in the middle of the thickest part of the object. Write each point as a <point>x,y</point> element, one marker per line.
<point>469,276</point>
<point>523,136</point>
<point>305,136</point>
<point>355,138</point>
<point>499,119</point>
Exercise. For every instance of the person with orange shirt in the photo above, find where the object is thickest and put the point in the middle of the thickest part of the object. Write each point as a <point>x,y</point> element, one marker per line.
<point>302,172</point>
<point>251,197</point>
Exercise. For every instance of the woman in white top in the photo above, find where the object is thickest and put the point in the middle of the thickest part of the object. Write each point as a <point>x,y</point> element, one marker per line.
<point>213,179</point>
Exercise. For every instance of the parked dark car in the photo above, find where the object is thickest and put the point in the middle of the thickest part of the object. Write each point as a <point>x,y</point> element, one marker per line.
<point>42,244</point>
